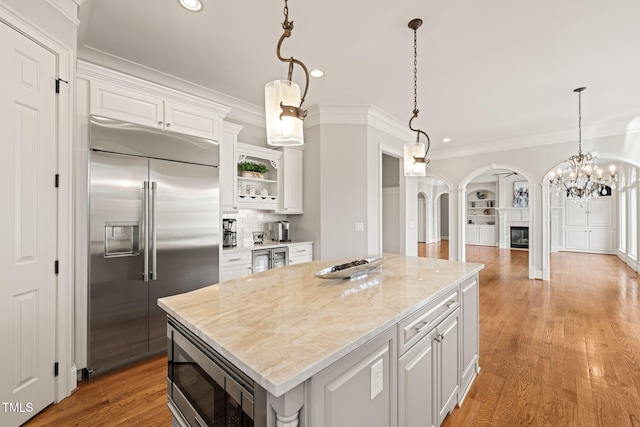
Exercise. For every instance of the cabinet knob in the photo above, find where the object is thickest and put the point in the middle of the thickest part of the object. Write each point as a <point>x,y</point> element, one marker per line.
<point>159,123</point>
<point>168,125</point>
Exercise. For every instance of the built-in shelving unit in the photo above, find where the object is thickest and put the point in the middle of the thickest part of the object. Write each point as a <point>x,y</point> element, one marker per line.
<point>258,191</point>
<point>481,217</point>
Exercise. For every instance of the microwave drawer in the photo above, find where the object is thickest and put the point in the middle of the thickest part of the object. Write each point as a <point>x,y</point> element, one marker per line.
<point>414,327</point>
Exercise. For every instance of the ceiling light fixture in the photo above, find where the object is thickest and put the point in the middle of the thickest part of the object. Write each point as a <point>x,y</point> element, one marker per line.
<point>576,178</point>
<point>317,73</point>
<point>415,153</point>
<point>445,140</point>
<point>284,118</point>
<point>192,5</point>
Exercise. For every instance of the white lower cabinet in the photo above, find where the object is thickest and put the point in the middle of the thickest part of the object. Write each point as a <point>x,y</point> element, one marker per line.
<point>235,265</point>
<point>589,240</point>
<point>470,341</point>
<point>429,374</point>
<point>359,389</point>
<point>481,235</point>
<point>300,253</point>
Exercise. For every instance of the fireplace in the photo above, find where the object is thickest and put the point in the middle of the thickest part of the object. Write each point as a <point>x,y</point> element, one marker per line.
<point>520,237</point>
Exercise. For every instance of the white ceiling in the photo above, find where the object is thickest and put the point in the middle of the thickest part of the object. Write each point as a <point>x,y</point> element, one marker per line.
<point>490,72</point>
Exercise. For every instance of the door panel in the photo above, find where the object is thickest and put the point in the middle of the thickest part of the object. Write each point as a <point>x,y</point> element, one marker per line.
<point>28,221</point>
<point>187,223</point>
<point>117,294</point>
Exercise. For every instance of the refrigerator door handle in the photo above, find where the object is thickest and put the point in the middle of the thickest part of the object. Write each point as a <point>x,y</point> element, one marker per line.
<point>154,265</point>
<point>145,230</point>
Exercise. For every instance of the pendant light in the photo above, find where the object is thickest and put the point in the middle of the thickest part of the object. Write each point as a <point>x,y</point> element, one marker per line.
<point>577,178</point>
<point>415,153</point>
<point>283,103</point>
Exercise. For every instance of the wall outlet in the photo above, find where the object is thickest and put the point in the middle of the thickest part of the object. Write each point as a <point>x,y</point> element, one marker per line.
<point>359,226</point>
<point>377,378</point>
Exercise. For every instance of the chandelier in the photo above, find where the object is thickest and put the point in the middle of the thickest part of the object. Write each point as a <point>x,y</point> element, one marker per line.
<point>580,178</point>
<point>283,103</point>
<point>415,153</point>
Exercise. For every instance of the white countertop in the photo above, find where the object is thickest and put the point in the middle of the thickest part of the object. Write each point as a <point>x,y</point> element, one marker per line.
<point>283,326</point>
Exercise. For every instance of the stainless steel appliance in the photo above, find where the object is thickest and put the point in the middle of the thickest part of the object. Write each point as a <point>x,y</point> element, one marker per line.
<point>280,231</point>
<point>154,231</point>
<point>204,389</point>
<point>229,233</point>
<point>266,259</point>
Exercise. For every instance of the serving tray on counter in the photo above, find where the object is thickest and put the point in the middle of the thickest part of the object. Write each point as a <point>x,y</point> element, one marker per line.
<point>350,272</point>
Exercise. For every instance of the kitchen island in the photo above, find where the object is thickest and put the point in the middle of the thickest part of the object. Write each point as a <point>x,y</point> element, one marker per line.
<point>387,349</point>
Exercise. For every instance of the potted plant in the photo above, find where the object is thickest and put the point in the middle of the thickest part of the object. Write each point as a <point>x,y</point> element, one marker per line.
<point>252,169</point>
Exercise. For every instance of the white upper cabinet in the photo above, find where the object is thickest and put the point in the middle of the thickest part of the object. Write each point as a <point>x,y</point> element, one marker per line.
<point>291,183</point>
<point>256,190</point>
<point>228,168</point>
<point>118,96</point>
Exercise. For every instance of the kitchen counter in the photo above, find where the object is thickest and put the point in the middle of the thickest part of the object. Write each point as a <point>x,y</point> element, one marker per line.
<point>283,326</point>
<point>265,245</point>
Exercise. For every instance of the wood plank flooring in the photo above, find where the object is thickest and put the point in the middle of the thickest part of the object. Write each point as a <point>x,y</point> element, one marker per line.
<point>559,353</point>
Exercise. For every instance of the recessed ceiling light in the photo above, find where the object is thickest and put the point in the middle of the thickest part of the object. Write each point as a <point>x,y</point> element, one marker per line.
<point>317,73</point>
<point>446,140</point>
<point>192,5</point>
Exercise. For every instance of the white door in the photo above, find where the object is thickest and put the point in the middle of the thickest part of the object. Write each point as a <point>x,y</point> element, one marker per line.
<point>28,221</point>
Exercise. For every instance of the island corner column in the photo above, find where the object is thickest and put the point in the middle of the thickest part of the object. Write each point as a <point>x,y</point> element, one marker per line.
<point>287,407</point>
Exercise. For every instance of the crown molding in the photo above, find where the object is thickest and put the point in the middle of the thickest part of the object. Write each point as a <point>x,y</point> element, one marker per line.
<point>68,9</point>
<point>618,126</point>
<point>369,115</point>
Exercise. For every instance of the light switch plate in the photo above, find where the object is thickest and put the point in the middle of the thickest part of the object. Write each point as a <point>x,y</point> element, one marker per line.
<point>377,378</point>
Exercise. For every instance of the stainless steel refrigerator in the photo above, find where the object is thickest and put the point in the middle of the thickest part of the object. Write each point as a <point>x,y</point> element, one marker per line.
<point>154,231</point>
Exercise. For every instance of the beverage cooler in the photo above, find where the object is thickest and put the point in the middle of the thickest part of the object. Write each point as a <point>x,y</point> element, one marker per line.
<point>266,259</point>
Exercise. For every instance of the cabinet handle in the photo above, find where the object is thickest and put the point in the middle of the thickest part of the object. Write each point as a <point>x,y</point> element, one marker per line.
<point>235,259</point>
<point>301,250</point>
<point>451,304</point>
<point>421,328</point>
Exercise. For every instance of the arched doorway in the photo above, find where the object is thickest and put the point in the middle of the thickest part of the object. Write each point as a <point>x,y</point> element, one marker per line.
<point>433,215</point>
<point>496,209</point>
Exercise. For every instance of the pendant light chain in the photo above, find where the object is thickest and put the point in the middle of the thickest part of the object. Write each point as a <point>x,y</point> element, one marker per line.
<point>415,71</point>
<point>580,122</point>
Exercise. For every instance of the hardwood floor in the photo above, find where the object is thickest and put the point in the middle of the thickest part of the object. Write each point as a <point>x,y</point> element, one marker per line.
<point>133,396</point>
<point>559,353</point>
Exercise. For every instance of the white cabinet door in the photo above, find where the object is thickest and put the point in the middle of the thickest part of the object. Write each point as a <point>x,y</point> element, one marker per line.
<point>601,240</point>
<point>127,105</point>
<point>487,235</point>
<point>189,120</point>
<point>576,239</point>
<point>601,212</point>
<point>416,384</point>
<point>470,333</point>
<point>228,168</point>
<point>291,187</point>
<point>473,234</point>
<point>448,364</point>
<point>575,214</point>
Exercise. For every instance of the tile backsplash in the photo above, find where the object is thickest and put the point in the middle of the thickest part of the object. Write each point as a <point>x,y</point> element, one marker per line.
<point>248,220</point>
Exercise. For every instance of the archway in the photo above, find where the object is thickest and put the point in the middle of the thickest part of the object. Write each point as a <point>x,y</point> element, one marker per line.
<point>500,208</point>
<point>438,204</point>
<point>551,212</point>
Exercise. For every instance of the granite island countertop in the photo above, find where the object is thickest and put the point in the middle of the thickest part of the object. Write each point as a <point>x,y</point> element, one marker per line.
<point>282,326</point>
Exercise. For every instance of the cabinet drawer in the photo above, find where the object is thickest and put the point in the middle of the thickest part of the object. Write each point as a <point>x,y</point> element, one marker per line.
<point>236,258</point>
<point>302,250</point>
<point>414,327</point>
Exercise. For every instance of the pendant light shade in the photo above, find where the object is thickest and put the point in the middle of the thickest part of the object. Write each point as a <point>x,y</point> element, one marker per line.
<point>282,130</point>
<point>413,151</point>
<point>283,102</point>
